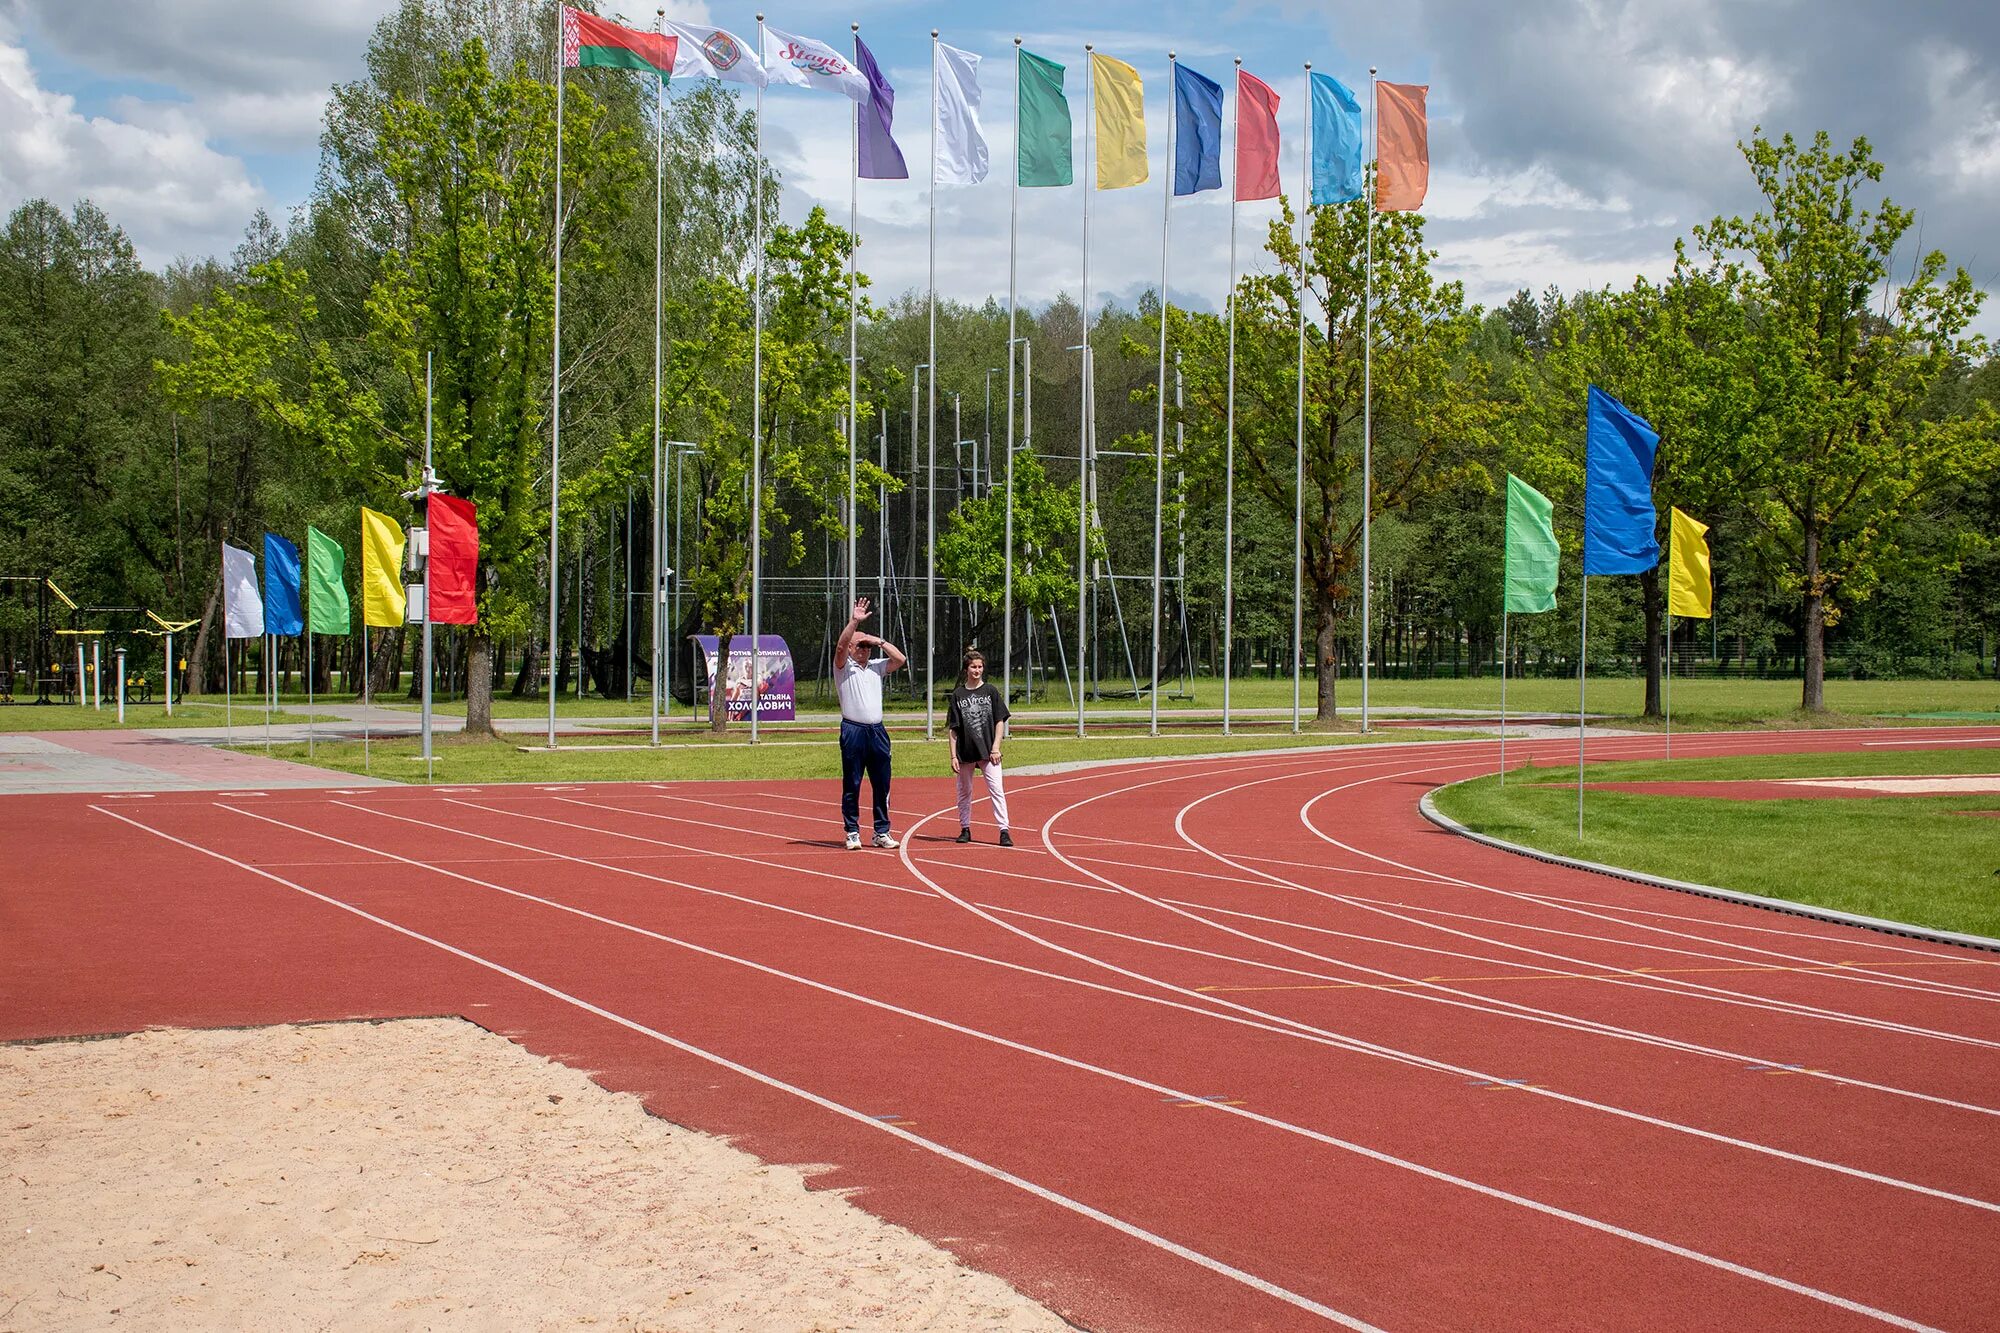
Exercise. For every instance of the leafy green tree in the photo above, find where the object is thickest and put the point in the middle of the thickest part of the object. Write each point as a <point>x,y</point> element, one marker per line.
<point>972,544</point>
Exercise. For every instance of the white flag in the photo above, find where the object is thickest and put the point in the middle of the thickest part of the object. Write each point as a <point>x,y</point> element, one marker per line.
<point>961,152</point>
<point>714,53</point>
<point>805,63</point>
<point>242,604</point>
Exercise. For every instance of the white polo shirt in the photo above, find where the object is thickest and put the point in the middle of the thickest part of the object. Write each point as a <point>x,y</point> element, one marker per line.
<point>861,689</point>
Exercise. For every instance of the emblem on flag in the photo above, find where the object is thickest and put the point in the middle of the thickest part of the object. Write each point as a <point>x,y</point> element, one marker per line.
<point>722,50</point>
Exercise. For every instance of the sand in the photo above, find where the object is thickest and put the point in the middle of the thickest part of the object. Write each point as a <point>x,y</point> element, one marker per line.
<point>419,1174</point>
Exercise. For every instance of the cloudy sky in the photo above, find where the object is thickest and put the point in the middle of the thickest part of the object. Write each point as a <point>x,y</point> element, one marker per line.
<point>1571,140</point>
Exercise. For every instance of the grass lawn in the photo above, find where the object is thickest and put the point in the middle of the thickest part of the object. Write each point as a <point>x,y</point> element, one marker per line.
<point>465,760</point>
<point>1919,859</point>
<point>138,717</point>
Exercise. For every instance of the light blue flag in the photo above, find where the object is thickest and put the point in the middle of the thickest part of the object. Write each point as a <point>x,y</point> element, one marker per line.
<point>1197,132</point>
<point>1620,528</point>
<point>1336,141</point>
<point>282,612</point>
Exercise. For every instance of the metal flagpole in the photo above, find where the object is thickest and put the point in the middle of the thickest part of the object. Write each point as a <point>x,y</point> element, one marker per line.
<point>1013,310</point>
<point>424,495</point>
<point>1582,673</point>
<point>1083,422</point>
<point>756,433</point>
<point>656,583</point>
<point>367,670</point>
<point>1367,410</point>
<point>1503,688</point>
<point>270,683</point>
<point>1160,413</point>
<point>853,318</point>
<point>1299,462</point>
<point>1668,688</point>
<point>228,687</point>
<point>309,653</point>
<point>930,493</point>
<point>555,399</point>
<point>167,675</point>
<point>1229,429</point>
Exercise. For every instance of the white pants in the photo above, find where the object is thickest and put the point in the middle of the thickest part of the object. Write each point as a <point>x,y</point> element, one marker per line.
<point>998,793</point>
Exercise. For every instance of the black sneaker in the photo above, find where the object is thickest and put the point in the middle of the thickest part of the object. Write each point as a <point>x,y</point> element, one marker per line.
<point>1006,838</point>
<point>965,835</point>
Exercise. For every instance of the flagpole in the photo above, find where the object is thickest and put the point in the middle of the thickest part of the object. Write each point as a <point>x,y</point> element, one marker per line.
<point>656,582</point>
<point>1668,689</point>
<point>1013,309</point>
<point>1160,413</point>
<point>228,686</point>
<point>853,319</point>
<point>1299,460</point>
<point>1368,405</point>
<point>1503,685</point>
<point>930,491</point>
<point>756,429</point>
<point>1582,674</point>
<point>555,400</point>
<point>429,484</point>
<point>270,682</point>
<point>1229,430</point>
<point>367,722</point>
<point>1083,420</point>
<point>309,654</point>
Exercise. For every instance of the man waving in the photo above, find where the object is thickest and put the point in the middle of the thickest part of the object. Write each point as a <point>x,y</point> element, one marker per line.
<point>864,741</point>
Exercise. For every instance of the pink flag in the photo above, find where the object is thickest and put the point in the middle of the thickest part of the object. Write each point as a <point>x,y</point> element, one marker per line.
<point>1256,138</point>
<point>1402,147</point>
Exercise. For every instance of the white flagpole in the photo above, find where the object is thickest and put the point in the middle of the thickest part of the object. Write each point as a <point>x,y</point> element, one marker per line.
<point>228,686</point>
<point>1083,421</point>
<point>930,492</point>
<point>1013,310</point>
<point>1299,462</point>
<point>656,582</point>
<point>367,725</point>
<point>1229,430</point>
<point>1368,407</point>
<point>756,429</point>
<point>555,400</point>
<point>270,682</point>
<point>1582,673</point>
<point>1503,687</point>
<point>429,484</point>
<point>1668,686</point>
<point>853,319</point>
<point>1160,414</point>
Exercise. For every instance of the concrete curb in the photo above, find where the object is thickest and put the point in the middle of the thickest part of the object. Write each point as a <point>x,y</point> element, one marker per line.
<point>1789,908</point>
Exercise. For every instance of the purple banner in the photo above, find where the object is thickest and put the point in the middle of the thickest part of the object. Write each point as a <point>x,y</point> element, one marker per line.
<point>771,681</point>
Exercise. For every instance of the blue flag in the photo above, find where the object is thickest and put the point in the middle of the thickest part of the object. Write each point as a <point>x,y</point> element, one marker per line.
<point>1619,524</point>
<point>1197,132</point>
<point>282,613</point>
<point>1336,141</point>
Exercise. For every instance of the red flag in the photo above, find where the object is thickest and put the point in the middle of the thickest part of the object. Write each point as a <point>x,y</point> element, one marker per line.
<point>1402,147</point>
<point>1256,138</point>
<point>453,566</point>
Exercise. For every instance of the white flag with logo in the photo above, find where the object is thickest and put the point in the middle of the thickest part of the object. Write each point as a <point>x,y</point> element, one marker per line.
<point>805,63</point>
<point>715,53</point>
<point>242,604</point>
<point>961,152</point>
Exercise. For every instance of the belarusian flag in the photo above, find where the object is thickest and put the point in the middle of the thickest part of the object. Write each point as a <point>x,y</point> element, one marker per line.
<point>590,40</point>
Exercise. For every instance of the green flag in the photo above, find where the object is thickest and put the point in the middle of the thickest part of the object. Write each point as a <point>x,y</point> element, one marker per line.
<point>1042,156</point>
<point>1532,553</point>
<point>326,585</point>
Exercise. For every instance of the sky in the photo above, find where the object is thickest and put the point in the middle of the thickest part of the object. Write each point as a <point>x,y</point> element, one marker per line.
<point>1572,141</point>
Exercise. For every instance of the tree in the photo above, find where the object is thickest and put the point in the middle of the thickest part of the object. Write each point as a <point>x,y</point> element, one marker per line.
<point>1842,451</point>
<point>971,548</point>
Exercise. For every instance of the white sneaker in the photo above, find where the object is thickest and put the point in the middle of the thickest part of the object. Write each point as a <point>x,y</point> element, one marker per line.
<point>854,842</point>
<point>885,841</point>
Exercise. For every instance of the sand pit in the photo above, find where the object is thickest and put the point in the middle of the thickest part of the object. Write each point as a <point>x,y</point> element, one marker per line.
<point>418,1174</point>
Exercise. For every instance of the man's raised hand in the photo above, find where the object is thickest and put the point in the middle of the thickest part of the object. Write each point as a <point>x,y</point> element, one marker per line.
<point>860,611</point>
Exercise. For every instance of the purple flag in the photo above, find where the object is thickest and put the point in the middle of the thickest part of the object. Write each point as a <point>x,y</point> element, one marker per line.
<point>881,160</point>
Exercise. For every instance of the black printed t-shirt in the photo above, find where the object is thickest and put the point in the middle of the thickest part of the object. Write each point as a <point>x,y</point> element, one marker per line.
<point>974,717</point>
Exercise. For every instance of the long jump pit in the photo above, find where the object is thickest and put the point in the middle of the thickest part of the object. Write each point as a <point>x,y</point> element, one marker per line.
<point>418,1173</point>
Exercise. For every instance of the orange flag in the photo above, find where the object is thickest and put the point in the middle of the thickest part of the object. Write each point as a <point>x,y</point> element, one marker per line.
<point>1402,147</point>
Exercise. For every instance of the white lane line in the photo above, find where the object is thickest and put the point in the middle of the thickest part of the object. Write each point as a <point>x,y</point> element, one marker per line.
<point>1042,1192</point>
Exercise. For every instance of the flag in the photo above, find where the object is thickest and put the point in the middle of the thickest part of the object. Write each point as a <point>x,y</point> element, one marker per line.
<point>1690,584</point>
<point>590,40</point>
<point>326,584</point>
<point>961,158</point>
<point>242,608</point>
<point>1256,138</point>
<point>1337,143</point>
<point>1402,146</point>
<point>1618,518</point>
<point>281,587</point>
<point>452,567</point>
<point>805,63</point>
<point>382,597</point>
<point>1532,553</point>
<point>1042,155</point>
<point>715,53</point>
<point>1197,132</point>
<point>1121,123</point>
<point>879,158</point>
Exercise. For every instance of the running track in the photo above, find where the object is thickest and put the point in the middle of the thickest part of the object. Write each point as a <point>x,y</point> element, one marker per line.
<point>1229,1043</point>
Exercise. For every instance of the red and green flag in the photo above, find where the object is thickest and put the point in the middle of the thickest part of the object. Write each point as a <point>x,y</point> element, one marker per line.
<point>590,40</point>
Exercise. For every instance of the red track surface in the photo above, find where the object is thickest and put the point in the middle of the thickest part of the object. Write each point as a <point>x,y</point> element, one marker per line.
<point>1225,1044</point>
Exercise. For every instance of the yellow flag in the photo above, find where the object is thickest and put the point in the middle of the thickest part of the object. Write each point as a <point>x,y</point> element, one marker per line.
<point>1690,588</point>
<point>382,596</point>
<point>1121,123</point>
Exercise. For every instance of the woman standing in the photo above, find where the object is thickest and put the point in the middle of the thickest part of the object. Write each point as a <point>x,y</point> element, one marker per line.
<point>976,724</point>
